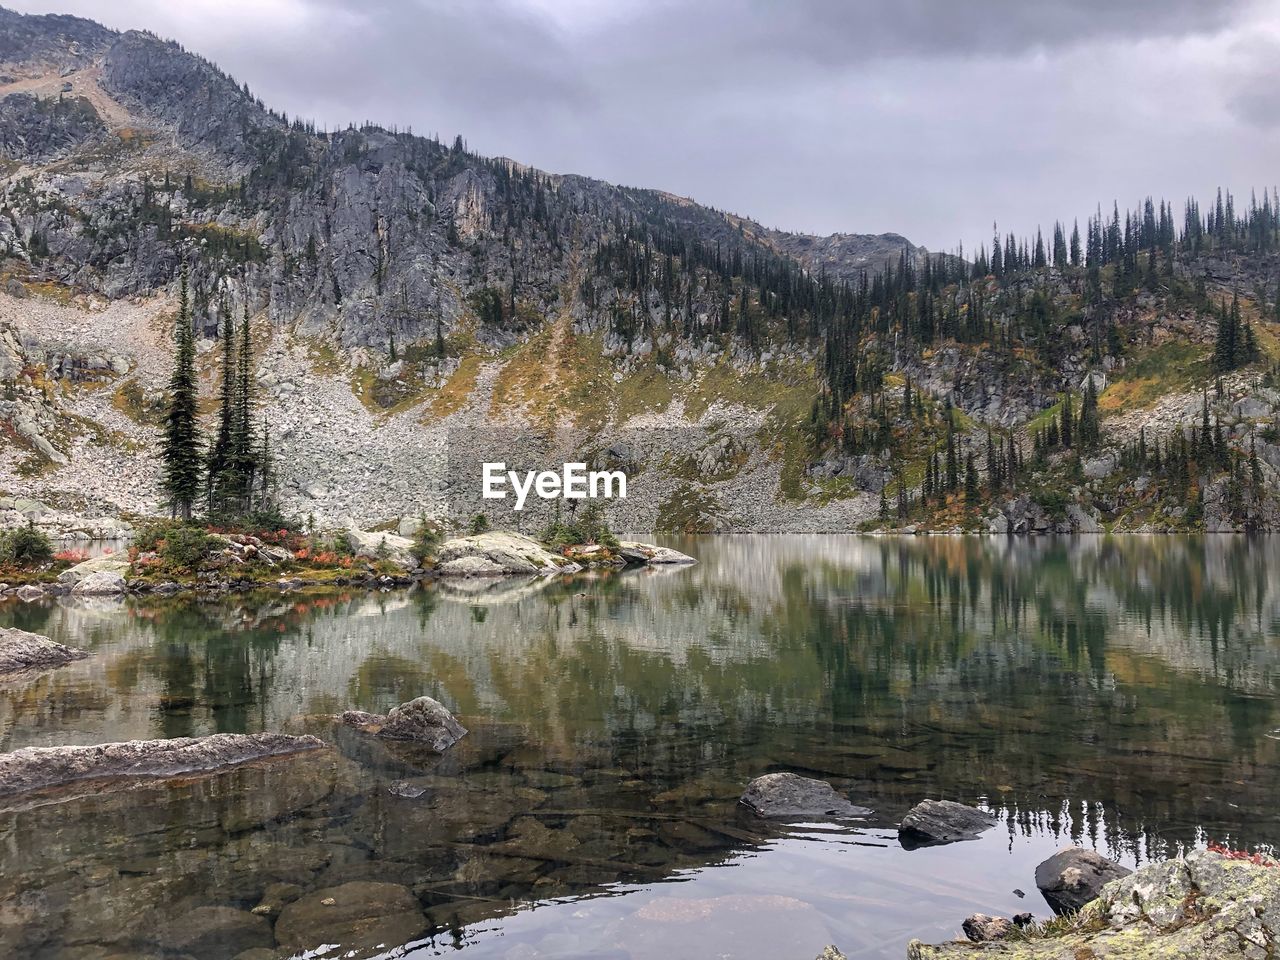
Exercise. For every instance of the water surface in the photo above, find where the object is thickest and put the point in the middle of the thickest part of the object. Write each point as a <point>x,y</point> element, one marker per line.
<point>1116,692</point>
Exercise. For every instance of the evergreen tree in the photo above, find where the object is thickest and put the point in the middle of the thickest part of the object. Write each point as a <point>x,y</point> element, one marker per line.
<point>220,453</point>
<point>1087,427</point>
<point>953,463</point>
<point>1068,424</point>
<point>180,450</point>
<point>970,480</point>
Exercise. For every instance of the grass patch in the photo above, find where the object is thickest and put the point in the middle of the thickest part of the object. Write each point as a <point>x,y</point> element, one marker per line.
<point>1172,367</point>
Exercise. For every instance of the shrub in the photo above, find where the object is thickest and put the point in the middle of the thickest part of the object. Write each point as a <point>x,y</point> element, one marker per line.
<point>185,548</point>
<point>425,541</point>
<point>25,547</point>
<point>151,533</point>
<point>479,524</point>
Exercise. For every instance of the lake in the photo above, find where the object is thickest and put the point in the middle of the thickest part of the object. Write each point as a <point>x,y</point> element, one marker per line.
<point>1115,692</point>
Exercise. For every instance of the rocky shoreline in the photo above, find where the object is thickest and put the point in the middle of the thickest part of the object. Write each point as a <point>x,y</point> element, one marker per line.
<point>386,560</point>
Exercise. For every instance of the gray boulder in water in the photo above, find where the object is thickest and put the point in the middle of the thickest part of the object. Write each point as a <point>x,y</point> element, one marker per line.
<point>788,795</point>
<point>22,652</point>
<point>932,822</point>
<point>1075,875</point>
<point>422,720</point>
<point>34,768</point>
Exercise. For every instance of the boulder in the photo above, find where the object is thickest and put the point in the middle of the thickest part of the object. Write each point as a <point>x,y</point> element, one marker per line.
<point>422,720</point>
<point>932,822</point>
<point>211,933</point>
<point>101,584</point>
<point>788,795</point>
<point>981,928</point>
<point>1075,875</point>
<point>22,652</point>
<point>112,563</point>
<point>1204,906</point>
<point>499,553</point>
<point>30,592</point>
<point>647,553</point>
<point>377,546</point>
<point>34,768</point>
<point>355,915</point>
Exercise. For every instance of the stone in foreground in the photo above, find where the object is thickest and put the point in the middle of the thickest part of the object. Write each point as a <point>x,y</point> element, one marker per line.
<point>1073,876</point>
<point>22,652</point>
<point>1203,906</point>
<point>647,553</point>
<point>981,928</point>
<point>35,768</point>
<point>422,720</point>
<point>499,553</point>
<point>787,795</point>
<point>932,822</point>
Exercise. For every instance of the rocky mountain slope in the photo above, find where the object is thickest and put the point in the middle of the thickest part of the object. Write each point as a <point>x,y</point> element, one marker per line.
<point>418,309</point>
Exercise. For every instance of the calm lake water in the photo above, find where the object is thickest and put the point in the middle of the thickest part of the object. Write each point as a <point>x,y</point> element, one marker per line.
<point>1116,692</point>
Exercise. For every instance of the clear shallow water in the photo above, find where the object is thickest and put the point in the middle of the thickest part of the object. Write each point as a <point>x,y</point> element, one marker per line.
<point>1116,692</point>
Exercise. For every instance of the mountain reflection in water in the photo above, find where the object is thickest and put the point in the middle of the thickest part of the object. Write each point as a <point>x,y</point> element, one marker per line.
<point>1118,692</point>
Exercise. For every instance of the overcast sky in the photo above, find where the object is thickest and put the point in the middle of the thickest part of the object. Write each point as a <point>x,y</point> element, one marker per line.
<point>930,118</point>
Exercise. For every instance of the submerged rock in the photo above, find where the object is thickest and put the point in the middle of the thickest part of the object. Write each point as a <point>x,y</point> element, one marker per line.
<point>942,821</point>
<point>22,652</point>
<point>791,795</point>
<point>1074,875</point>
<point>422,720</point>
<point>635,552</point>
<point>211,933</point>
<point>499,553</point>
<point>1204,906</point>
<point>362,913</point>
<point>34,768</point>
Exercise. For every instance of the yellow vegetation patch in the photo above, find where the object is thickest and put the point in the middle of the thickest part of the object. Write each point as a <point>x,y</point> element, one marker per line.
<point>454,393</point>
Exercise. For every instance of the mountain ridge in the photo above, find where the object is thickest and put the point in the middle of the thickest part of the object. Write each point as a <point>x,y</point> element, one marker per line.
<point>404,292</point>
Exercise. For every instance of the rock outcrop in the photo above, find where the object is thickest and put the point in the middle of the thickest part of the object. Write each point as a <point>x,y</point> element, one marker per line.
<point>421,720</point>
<point>22,652</point>
<point>647,553</point>
<point>499,553</point>
<point>111,563</point>
<point>789,795</point>
<point>932,822</point>
<point>103,583</point>
<point>1075,875</point>
<point>35,768</point>
<point>1204,906</point>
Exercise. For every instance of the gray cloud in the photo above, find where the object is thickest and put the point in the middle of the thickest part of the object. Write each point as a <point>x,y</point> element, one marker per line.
<point>926,117</point>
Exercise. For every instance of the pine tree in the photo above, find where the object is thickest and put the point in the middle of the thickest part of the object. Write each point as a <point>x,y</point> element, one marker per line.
<point>180,450</point>
<point>1068,418</point>
<point>970,480</point>
<point>220,453</point>
<point>243,459</point>
<point>1087,426</point>
<point>953,464</point>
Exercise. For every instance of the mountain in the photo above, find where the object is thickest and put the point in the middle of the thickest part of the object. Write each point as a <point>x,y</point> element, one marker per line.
<point>418,308</point>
